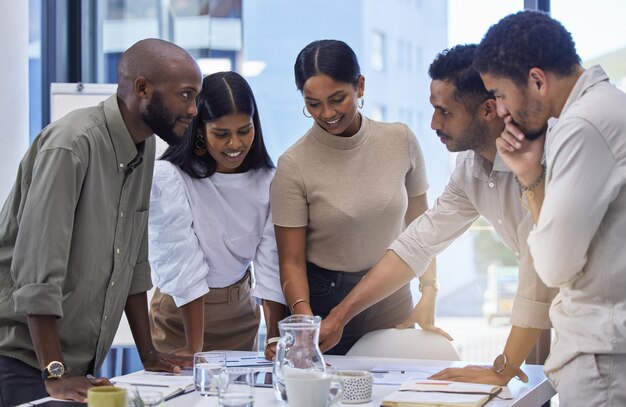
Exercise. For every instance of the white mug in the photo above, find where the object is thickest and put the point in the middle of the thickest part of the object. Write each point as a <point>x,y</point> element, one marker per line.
<point>312,389</point>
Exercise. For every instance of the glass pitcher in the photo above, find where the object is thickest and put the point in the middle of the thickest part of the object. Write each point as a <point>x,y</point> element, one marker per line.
<point>297,350</point>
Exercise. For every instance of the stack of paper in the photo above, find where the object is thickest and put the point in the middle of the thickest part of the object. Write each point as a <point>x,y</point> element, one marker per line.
<point>169,384</point>
<point>441,393</point>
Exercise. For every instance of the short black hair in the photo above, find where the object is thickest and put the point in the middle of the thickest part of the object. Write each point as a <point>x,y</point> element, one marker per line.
<point>455,65</point>
<point>223,93</point>
<point>525,40</point>
<point>333,58</point>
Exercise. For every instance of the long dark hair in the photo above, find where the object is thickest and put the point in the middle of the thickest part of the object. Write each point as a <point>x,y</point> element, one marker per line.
<point>223,93</point>
<point>333,58</point>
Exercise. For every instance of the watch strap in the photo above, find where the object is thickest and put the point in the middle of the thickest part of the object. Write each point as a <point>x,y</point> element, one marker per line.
<point>429,283</point>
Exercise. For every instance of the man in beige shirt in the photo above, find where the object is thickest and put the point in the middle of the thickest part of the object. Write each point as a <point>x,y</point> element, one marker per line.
<point>577,198</point>
<point>74,251</point>
<point>466,121</point>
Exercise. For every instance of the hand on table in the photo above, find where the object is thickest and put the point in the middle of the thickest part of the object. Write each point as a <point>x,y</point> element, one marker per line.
<point>472,374</point>
<point>270,351</point>
<point>73,388</point>
<point>162,362</point>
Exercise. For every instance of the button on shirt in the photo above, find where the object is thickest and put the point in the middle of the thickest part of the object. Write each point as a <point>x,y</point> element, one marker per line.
<point>578,244</point>
<point>476,189</point>
<point>66,250</point>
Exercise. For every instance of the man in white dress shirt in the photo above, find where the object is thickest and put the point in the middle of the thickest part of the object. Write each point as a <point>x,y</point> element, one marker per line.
<point>577,198</point>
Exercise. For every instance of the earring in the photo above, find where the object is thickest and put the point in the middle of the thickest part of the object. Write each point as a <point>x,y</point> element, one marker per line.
<point>304,112</point>
<point>200,149</point>
<point>361,102</point>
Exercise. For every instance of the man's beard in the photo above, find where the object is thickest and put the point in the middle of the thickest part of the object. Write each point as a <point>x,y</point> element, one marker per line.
<point>160,121</point>
<point>476,138</point>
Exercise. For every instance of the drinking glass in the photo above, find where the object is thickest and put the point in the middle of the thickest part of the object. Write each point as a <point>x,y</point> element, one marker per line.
<point>207,368</point>
<point>146,398</point>
<point>237,388</point>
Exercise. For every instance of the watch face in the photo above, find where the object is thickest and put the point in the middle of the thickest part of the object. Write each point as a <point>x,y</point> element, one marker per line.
<point>56,369</point>
<point>500,363</point>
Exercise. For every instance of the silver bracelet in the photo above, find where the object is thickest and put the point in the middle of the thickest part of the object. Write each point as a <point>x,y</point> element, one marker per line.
<point>272,340</point>
<point>535,184</point>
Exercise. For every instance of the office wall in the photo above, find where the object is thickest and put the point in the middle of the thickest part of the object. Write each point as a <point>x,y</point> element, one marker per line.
<point>14,95</point>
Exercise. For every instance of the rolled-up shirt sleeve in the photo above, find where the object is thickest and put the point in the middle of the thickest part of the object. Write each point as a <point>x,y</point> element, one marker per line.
<point>178,265</point>
<point>142,280</point>
<point>432,232</point>
<point>533,298</point>
<point>266,271</point>
<point>43,243</point>
<point>577,197</point>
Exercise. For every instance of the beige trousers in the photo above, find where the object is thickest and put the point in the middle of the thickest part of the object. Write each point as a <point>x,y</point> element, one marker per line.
<point>231,319</point>
<point>592,380</point>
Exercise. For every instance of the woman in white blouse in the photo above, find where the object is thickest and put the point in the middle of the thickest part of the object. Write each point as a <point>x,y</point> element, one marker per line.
<point>212,244</point>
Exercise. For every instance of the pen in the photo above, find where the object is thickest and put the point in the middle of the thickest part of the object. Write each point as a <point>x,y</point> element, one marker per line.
<point>142,384</point>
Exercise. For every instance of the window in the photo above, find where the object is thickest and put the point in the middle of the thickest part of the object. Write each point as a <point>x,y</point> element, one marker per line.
<point>34,67</point>
<point>603,45</point>
<point>378,51</point>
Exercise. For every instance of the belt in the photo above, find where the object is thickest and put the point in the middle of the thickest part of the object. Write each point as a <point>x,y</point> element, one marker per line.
<point>231,294</point>
<point>337,276</point>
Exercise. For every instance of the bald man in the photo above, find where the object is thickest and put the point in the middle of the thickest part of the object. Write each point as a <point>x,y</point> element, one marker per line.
<point>73,231</point>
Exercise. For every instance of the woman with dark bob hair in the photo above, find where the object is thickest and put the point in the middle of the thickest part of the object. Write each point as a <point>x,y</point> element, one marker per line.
<point>210,221</point>
<point>342,194</point>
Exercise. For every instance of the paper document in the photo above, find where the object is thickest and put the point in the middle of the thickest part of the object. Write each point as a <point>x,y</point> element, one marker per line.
<point>392,374</point>
<point>169,384</point>
<point>441,393</point>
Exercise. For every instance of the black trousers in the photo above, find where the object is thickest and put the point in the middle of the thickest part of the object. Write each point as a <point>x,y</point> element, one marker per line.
<point>327,288</point>
<point>19,382</point>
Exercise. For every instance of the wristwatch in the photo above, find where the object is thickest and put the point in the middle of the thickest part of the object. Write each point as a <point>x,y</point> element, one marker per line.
<point>54,370</point>
<point>426,283</point>
<point>501,366</point>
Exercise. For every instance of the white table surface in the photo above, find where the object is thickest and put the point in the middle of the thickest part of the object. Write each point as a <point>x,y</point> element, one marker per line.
<point>532,394</point>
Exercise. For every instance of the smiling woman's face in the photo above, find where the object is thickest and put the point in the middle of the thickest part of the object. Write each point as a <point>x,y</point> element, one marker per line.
<point>228,140</point>
<point>333,104</point>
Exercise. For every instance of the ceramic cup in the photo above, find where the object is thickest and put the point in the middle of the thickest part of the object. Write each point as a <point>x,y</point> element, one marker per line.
<point>106,396</point>
<point>312,389</point>
<point>357,386</point>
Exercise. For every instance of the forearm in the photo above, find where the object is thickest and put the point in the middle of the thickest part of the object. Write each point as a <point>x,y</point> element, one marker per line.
<point>273,312</point>
<point>519,344</point>
<point>137,314</point>
<point>45,338</point>
<point>193,323</point>
<point>296,288</point>
<point>385,278</point>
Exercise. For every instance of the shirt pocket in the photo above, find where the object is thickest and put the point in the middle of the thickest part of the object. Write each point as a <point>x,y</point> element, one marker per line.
<point>140,220</point>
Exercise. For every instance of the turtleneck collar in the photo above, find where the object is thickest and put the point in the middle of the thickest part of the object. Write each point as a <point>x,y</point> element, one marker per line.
<point>339,142</point>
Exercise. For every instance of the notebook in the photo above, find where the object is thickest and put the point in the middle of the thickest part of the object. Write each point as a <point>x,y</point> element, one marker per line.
<point>441,393</point>
<point>171,385</point>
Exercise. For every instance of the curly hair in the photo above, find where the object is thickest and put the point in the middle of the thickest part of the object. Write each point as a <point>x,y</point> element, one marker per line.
<point>525,40</point>
<point>454,65</point>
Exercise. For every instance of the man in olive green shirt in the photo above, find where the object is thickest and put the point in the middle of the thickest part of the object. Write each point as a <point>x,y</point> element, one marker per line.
<point>73,234</point>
